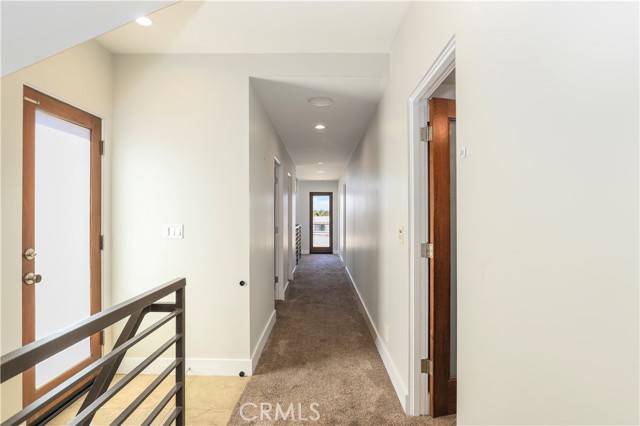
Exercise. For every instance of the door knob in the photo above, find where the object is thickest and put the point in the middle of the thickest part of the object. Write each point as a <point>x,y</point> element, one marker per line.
<point>31,278</point>
<point>30,254</point>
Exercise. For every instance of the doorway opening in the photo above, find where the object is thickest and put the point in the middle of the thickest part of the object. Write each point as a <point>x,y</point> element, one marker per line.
<point>61,225</point>
<point>291,235</point>
<point>321,222</point>
<point>433,240</point>
<point>343,234</point>
<point>277,235</point>
<point>442,234</point>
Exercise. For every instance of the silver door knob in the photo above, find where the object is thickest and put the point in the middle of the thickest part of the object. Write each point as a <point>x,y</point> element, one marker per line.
<point>31,278</point>
<point>30,254</point>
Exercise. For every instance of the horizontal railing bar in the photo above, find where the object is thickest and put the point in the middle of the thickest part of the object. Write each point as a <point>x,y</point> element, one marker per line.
<point>162,307</point>
<point>145,393</point>
<point>174,414</point>
<point>47,398</point>
<point>174,390</point>
<point>22,359</point>
<point>104,378</point>
<point>105,397</point>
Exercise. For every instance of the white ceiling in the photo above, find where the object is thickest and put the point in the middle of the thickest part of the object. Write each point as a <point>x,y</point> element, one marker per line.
<point>35,30</point>
<point>32,31</point>
<point>355,100</point>
<point>285,27</point>
<point>263,27</point>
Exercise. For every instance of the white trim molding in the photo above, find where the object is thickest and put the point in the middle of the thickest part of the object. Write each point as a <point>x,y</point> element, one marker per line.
<point>208,366</point>
<point>257,352</point>
<point>392,370</point>
<point>418,398</point>
<point>194,366</point>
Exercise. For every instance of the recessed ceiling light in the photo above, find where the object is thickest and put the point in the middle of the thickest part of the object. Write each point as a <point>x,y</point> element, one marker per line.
<point>320,162</point>
<point>320,127</point>
<point>320,101</point>
<point>144,21</point>
<point>320,171</point>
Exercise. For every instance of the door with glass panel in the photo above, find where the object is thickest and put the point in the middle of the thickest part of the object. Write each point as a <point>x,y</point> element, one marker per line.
<point>321,222</point>
<point>60,233</point>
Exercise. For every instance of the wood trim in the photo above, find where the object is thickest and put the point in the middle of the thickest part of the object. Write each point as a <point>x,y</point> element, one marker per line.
<point>452,395</point>
<point>441,111</point>
<point>318,250</point>
<point>28,239</point>
<point>74,115</point>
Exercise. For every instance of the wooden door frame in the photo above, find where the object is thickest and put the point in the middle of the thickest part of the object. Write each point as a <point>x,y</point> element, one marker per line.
<point>417,402</point>
<point>35,100</point>
<point>323,250</point>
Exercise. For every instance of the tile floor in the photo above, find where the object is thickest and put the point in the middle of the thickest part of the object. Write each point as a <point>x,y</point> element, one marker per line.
<point>210,401</point>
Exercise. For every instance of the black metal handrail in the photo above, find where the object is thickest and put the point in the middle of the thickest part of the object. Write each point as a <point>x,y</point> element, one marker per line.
<point>26,357</point>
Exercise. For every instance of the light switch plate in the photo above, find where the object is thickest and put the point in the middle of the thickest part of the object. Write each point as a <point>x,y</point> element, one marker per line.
<point>173,231</point>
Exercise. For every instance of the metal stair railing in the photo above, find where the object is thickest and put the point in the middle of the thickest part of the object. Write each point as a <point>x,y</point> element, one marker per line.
<point>26,357</point>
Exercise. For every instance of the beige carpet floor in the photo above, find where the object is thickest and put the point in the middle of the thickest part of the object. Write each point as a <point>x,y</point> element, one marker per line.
<point>321,351</point>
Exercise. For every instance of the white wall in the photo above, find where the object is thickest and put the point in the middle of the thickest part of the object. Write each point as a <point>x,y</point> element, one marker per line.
<point>82,77</point>
<point>188,135</point>
<point>302,209</point>
<point>265,144</point>
<point>547,97</point>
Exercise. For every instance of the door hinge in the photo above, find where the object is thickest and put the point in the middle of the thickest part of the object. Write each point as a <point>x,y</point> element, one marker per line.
<point>426,250</point>
<point>101,147</point>
<point>426,367</point>
<point>277,279</point>
<point>276,180</point>
<point>426,133</point>
<point>276,230</point>
<point>102,337</point>
<point>101,242</point>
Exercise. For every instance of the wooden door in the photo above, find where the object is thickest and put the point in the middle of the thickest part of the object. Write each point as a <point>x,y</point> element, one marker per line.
<point>442,383</point>
<point>321,222</point>
<point>61,263</point>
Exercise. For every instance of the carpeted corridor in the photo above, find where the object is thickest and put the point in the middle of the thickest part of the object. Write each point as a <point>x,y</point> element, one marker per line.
<point>321,351</point>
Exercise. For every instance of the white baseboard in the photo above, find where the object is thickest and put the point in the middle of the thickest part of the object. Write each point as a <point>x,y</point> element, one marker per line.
<point>392,370</point>
<point>293,271</point>
<point>207,366</point>
<point>286,287</point>
<point>336,252</point>
<point>195,366</point>
<point>305,252</point>
<point>255,356</point>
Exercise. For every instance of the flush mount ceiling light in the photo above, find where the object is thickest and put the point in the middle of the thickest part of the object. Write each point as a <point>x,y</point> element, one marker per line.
<point>320,162</point>
<point>320,127</point>
<point>144,21</point>
<point>320,101</point>
<point>320,171</point>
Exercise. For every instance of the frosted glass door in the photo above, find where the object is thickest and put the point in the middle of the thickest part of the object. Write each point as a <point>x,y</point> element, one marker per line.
<point>62,236</point>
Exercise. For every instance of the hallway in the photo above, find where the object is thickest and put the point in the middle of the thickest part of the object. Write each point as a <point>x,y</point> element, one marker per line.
<point>321,351</point>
